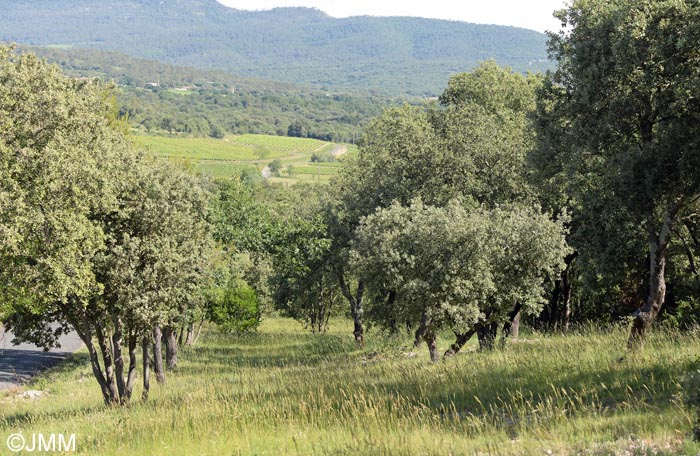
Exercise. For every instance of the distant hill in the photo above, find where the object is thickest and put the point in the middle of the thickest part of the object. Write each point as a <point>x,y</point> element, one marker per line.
<point>398,55</point>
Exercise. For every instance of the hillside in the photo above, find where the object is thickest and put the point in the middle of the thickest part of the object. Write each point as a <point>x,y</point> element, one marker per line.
<point>297,160</point>
<point>292,44</point>
<point>174,99</point>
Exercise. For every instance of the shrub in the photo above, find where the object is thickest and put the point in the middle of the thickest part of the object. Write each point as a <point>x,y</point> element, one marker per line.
<point>276,167</point>
<point>235,308</point>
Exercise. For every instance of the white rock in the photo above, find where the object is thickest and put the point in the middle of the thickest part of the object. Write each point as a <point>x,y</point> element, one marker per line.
<point>31,394</point>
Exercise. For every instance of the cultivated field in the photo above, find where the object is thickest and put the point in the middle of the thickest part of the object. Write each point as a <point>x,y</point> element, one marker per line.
<point>232,155</point>
<point>283,390</point>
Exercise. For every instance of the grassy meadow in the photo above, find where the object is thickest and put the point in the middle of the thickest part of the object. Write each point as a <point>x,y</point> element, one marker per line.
<point>232,155</point>
<point>283,390</point>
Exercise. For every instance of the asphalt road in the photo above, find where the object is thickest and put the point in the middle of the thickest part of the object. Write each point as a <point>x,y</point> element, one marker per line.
<point>18,363</point>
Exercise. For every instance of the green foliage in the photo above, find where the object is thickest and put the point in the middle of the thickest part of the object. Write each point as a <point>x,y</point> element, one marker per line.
<point>455,267</point>
<point>492,87</point>
<point>97,236</point>
<point>618,139</point>
<point>302,279</point>
<point>301,45</point>
<point>275,167</point>
<point>58,153</point>
<point>235,308</point>
<point>326,157</point>
<point>472,150</point>
<point>475,148</point>
<point>164,98</point>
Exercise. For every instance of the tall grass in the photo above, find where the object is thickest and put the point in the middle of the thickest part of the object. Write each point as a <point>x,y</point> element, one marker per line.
<point>284,391</point>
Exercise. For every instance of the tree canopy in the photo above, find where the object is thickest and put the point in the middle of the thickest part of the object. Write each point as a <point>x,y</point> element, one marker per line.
<point>619,119</point>
<point>95,236</point>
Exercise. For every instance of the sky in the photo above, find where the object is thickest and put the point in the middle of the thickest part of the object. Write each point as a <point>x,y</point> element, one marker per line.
<point>531,14</point>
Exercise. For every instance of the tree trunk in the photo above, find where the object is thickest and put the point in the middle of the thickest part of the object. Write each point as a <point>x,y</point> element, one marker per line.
<point>515,327</point>
<point>487,335</point>
<point>645,316</point>
<point>146,347</point>
<point>199,331</point>
<point>431,340</point>
<point>131,376</point>
<point>117,341</point>
<point>566,289</point>
<point>355,301</point>
<point>181,337</point>
<point>422,330</point>
<point>358,315</point>
<point>558,312</point>
<point>461,340</point>
<point>170,347</point>
<point>86,336</point>
<point>158,355</point>
<point>511,328</point>
<point>189,338</point>
<point>105,348</point>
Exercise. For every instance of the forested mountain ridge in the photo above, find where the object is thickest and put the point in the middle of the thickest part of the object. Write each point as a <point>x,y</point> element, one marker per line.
<point>292,44</point>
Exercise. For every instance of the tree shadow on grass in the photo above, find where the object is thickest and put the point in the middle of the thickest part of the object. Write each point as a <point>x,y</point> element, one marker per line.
<point>311,351</point>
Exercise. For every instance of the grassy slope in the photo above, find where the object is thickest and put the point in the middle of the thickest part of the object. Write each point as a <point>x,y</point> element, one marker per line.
<point>284,391</point>
<point>227,157</point>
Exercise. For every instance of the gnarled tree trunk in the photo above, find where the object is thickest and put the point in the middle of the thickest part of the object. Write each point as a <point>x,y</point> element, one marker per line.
<point>85,335</point>
<point>117,341</point>
<point>189,338</point>
<point>431,339</point>
<point>170,347</point>
<point>108,359</point>
<point>487,335</point>
<point>658,245</point>
<point>461,340</point>
<point>131,376</point>
<point>356,305</point>
<point>511,328</point>
<point>421,331</point>
<point>158,355</point>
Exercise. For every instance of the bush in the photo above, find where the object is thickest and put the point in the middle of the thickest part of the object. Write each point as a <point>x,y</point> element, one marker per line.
<point>323,157</point>
<point>236,308</point>
<point>276,167</point>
